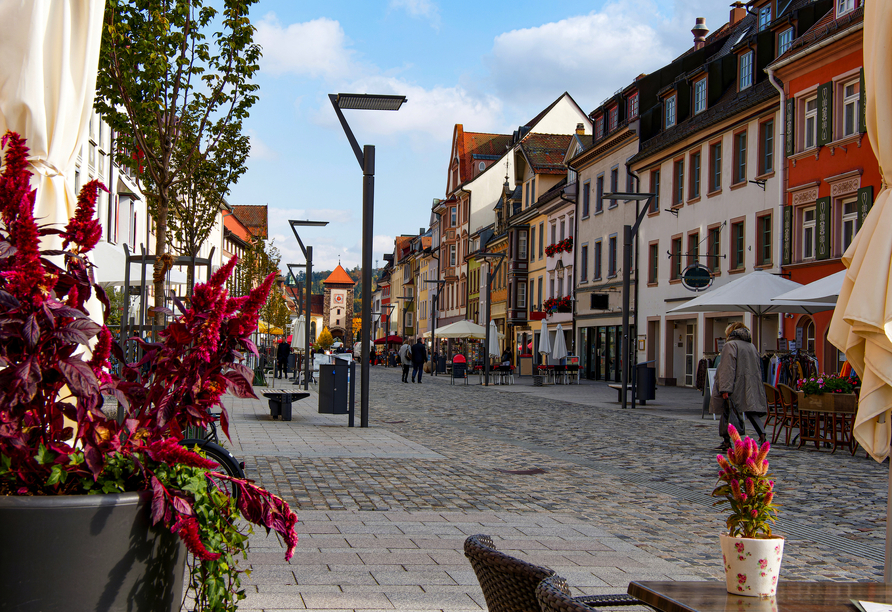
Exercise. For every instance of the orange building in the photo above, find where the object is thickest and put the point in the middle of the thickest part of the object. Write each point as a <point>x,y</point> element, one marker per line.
<point>831,171</point>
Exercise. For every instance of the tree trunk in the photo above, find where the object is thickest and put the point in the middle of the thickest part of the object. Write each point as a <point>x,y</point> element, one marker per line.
<point>160,249</point>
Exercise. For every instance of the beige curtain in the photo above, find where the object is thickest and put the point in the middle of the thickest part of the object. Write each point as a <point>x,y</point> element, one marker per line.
<point>863,316</point>
<point>50,55</point>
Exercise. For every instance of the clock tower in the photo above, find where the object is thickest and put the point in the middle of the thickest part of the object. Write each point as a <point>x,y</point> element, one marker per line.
<point>338,311</point>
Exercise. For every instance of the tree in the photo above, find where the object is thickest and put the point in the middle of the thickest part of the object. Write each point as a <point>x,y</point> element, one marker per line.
<point>175,100</point>
<point>357,326</point>
<point>325,339</point>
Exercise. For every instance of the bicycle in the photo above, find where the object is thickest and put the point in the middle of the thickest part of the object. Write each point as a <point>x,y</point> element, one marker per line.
<point>209,444</point>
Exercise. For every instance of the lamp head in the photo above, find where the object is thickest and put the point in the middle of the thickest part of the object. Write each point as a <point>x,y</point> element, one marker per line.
<point>369,101</point>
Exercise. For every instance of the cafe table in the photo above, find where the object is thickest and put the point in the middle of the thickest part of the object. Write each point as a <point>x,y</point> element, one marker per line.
<point>712,596</point>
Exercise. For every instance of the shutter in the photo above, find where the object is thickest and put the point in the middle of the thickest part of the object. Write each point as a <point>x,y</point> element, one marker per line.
<point>789,130</point>
<point>788,236</point>
<point>865,202</point>
<point>862,108</point>
<point>823,228</point>
<point>825,113</point>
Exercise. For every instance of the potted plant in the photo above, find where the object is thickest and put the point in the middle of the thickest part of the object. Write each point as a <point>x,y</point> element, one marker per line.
<point>95,511</point>
<point>751,555</point>
<point>828,393</point>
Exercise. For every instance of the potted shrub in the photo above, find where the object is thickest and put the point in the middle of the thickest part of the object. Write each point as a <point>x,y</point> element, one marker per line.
<point>93,511</point>
<point>751,555</point>
<point>828,393</point>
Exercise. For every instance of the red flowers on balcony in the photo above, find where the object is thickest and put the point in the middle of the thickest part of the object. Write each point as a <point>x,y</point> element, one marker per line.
<point>564,246</point>
<point>561,304</point>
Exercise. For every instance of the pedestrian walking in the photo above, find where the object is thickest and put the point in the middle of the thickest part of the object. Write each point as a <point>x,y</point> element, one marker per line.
<point>419,357</point>
<point>738,388</point>
<point>405,357</point>
<point>282,352</point>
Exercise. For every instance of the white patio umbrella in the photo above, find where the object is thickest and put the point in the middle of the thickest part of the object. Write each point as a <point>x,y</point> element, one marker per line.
<point>560,345</point>
<point>825,290</point>
<point>544,343</point>
<point>862,323</point>
<point>298,333</point>
<point>493,339</point>
<point>461,329</point>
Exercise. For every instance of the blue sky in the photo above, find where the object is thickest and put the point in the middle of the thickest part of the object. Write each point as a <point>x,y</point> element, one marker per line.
<point>491,65</point>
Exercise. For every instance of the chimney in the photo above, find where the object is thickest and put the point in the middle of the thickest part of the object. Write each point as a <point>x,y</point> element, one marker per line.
<point>738,12</point>
<point>420,231</point>
<point>700,31</point>
<point>580,129</point>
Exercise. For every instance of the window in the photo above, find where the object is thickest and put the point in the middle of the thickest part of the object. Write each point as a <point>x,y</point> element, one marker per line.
<point>669,112</point>
<point>763,248</point>
<point>583,263</point>
<point>676,259</point>
<point>532,190</point>
<point>849,221</point>
<point>655,188</point>
<point>563,230</point>
<point>740,157</point>
<point>693,248</point>
<point>715,167</point>
<point>597,270</point>
<point>632,106</point>
<point>611,256</point>
<point>764,17</point>
<point>586,197</point>
<point>452,216</point>
<point>539,291</point>
<point>737,245</point>
<point>844,6</point>
<point>809,235</point>
<point>851,103</point>
<point>745,77</point>
<point>678,186</point>
<point>553,233</point>
<point>612,118</point>
<point>599,194</point>
<point>526,195</point>
<point>452,255</point>
<point>599,127</point>
<point>695,176</point>
<point>533,243</point>
<point>784,40</point>
<point>522,295</point>
<point>700,96</point>
<point>766,142</point>
<point>551,292</point>
<point>522,246</point>
<point>715,249</point>
<point>409,319</point>
<point>654,263</point>
<point>541,240</point>
<point>810,123</point>
<point>614,184</point>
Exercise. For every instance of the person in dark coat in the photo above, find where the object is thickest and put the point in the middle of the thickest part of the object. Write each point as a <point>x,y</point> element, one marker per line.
<point>282,352</point>
<point>419,356</point>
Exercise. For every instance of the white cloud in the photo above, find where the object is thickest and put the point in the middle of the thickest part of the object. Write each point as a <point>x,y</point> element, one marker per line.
<point>259,149</point>
<point>317,48</point>
<point>591,56</point>
<point>419,8</point>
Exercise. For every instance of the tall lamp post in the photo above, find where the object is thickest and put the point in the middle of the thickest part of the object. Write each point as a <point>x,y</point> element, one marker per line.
<point>629,232</point>
<point>308,254</point>
<point>366,159</point>
<point>434,311</point>
<point>490,273</point>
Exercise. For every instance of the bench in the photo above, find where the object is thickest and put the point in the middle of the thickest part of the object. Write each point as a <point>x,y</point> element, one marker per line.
<point>619,393</point>
<point>280,403</point>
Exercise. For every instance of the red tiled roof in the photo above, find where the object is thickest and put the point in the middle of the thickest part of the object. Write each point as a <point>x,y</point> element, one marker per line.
<point>546,152</point>
<point>402,244</point>
<point>339,276</point>
<point>823,28</point>
<point>476,143</point>
<point>255,218</point>
<point>426,242</point>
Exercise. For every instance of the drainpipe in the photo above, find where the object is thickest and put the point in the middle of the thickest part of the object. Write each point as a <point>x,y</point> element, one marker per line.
<point>783,177</point>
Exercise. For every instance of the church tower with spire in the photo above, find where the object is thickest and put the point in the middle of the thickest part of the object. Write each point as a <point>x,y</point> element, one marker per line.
<point>338,305</point>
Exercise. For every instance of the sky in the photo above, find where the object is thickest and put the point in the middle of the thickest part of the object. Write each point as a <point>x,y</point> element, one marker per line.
<point>490,65</point>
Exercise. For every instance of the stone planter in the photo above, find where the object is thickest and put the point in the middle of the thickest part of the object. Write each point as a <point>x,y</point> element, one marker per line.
<point>87,552</point>
<point>828,402</point>
<point>752,565</point>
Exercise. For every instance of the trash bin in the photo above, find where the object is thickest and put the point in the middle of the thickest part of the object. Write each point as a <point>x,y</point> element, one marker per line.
<point>647,382</point>
<point>292,365</point>
<point>336,387</point>
<point>441,364</point>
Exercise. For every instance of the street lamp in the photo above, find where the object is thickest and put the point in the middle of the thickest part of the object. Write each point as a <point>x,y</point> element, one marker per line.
<point>308,254</point>
<point>489,274</point>
<point>366,159</point>
<point>434,311</point>
<point>629,232</point>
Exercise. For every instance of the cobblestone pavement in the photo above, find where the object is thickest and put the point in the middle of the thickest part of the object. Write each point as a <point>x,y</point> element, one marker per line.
<point>560,476</point>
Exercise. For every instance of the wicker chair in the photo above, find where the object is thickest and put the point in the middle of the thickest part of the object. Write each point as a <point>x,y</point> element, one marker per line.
<point>791,419</point>
<point>509,584</point>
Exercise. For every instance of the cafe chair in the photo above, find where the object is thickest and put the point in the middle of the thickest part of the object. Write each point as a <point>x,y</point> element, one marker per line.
<point>553,595</point>
<point>790,419</point>
<point>775,409</point>
<point>509,584</point>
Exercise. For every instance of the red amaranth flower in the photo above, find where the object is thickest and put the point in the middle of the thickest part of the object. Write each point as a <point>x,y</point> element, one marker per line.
<point>15,182</point>
<point>83,230</point>
<point>187,529</point>
<point>169,451</point>
<point>28,278</point>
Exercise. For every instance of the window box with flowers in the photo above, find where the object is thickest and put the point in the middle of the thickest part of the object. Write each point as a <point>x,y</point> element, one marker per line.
<point>828,393</point>
<point>564,246</point>
<point>561,304</point>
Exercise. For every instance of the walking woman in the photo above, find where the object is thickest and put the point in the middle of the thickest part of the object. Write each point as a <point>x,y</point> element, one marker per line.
<point>738,385</point>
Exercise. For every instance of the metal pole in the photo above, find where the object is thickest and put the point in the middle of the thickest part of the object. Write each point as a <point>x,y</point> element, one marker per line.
<point>368,214</point>
<point>309,292</point>
<point>435,354</point>
<point>486,322</point>
<point>887,571</point>
<point>627,273</point>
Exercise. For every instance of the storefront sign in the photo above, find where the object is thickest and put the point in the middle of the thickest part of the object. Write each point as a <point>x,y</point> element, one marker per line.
<point>696,277</point>
<point>823,228</point>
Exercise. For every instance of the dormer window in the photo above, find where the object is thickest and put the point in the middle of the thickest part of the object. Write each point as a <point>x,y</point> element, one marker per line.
<point>612,115</point>
<point>632,106</point>
<point>700,96</point>
<point>599,127</point>
<point>745,65</point>
<point>764,17</point>
<point>784,40</point>
<point>844,6</point>
<point>669,111</point>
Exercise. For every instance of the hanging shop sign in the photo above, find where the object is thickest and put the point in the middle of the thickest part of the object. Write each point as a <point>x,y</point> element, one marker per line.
<point>696,277</point>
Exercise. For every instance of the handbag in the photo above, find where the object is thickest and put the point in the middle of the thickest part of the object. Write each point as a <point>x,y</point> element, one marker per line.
<point>740,418</point>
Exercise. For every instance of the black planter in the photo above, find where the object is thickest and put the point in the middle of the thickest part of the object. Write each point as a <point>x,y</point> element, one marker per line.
<point>87,552</point>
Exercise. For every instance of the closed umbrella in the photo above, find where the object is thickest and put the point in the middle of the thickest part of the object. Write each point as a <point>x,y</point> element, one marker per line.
<point>544,344</point>
<point>298,334</point>
<point>493,339</point>
<point>560,345</point>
